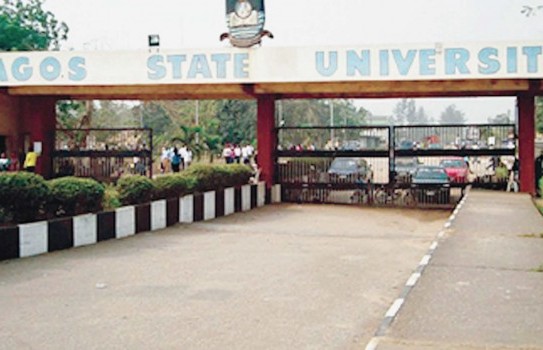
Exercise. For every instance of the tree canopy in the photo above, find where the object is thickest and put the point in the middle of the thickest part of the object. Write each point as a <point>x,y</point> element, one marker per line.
<point>451,115</point>
<point>26,26</point>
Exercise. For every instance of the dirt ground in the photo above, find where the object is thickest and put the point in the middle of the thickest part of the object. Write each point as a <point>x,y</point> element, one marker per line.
<point>280,277</point>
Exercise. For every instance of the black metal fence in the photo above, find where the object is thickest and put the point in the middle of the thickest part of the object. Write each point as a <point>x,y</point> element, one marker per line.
<point>103,154</point>
<point>385,165</point>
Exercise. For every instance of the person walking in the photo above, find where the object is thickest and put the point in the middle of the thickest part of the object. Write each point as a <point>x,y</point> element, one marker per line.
<point>512,183</point>
<point>237,153</point>
<point>31,159</point>
<point>176,160</point>
<point>227,153</point>
<point>4,162</point>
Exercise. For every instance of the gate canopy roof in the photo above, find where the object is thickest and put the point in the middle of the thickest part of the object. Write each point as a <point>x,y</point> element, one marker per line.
<point>488,69</point>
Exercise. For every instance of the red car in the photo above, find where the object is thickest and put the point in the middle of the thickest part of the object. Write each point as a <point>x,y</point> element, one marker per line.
<point>456,168</point>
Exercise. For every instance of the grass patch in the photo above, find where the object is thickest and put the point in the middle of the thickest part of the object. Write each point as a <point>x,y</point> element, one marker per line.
<point>532,235</point>
<point>539,204</point>
<point>538,269</point>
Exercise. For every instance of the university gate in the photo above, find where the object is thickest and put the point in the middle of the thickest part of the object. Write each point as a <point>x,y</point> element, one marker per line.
<point>423,165</point>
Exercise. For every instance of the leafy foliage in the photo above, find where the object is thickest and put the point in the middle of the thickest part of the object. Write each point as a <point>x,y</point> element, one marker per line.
<point>24,195</point>
<point>318,113</point>
<point>26,26</point>
<point>211,177</point>
<point>135,190</point>
<point>530,11</point>
<point>174,185</point>
<point>73,196</point>
<point>451,115</point>
<point>111,198</point>
<point>503,118</point>
<point>237,120</point>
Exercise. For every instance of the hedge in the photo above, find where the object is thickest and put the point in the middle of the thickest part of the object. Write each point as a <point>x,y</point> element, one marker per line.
<point>135,190</point>
<point>175,185</point>
<point>211,177</point>
<point>74,196</point>
<point>27,196</point>
<point>24,196</point>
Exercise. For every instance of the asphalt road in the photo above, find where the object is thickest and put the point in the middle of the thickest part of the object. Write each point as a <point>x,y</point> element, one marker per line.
<point>483,289</point>
<point>279,277</point>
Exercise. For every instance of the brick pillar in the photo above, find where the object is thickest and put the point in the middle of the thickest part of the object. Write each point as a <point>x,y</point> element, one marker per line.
<point>265,127</point>
<point>526,137</point>
<point>39,120</point>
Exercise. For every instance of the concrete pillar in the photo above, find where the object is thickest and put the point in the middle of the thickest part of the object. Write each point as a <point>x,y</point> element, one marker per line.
<point>265,127</point>
<point>526,137</point>
<point>39,121</point>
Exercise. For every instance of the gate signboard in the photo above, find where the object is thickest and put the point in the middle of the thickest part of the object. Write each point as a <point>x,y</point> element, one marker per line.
<point>245,20</point>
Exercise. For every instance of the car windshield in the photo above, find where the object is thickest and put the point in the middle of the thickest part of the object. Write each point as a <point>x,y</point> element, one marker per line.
<point>434,173</point>
<point>453,163</point>
<point>343,164</point>
<point>406,162</point>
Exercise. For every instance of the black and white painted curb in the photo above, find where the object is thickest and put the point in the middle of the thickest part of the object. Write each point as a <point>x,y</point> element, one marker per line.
<point>411,282</point>
<point>37,238</point>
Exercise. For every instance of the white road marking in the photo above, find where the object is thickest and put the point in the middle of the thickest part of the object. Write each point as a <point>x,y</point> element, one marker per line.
<point>433,246</point>
<point>425,260</point>
<point>413,279</point>
<point>372,345</point>
<point>394,308</point>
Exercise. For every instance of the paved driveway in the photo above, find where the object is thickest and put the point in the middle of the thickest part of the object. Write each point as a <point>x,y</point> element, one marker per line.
<point>280,277</point>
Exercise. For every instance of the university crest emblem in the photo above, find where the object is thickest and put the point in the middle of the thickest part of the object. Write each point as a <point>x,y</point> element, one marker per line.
<point>245,21</point>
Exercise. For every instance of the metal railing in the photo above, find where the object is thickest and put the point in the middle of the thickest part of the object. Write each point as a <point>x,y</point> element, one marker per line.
<point>103,154</point>
<point>477,154</point>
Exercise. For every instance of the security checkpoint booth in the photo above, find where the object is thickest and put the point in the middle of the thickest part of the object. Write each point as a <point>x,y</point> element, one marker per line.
<point>32,82</point>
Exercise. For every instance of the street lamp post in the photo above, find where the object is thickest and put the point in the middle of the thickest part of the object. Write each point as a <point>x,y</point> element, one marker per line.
<point>331,120</point>
<point>197,120</point>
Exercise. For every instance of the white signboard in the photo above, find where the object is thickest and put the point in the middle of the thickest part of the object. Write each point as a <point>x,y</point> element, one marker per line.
<point>260,65</point>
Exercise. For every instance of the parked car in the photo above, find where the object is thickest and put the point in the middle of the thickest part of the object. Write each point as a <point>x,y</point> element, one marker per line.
<point>456,168</point>
<point>351,145</point>
<point>430,184</point>
<point>405,145</point>
<point>405,168</point>
<point>347,169</point>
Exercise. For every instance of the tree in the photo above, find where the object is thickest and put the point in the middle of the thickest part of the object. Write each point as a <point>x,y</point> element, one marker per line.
<point>405,112</point>
<point>502,118</point>
<point>69,114</point>
<point>237,120</point>
<point>451,115</point>
<point>26,26</point>
<point>530,11</point>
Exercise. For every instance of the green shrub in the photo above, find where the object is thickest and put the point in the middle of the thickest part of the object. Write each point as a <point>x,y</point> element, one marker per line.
<point>207,178</point>
<point>213,177</point>
<point>502,173</point>
<point>73,196</point>
<point>237,174</point>
<point>135,190</point>
<point>111,198</point>
<point>176,185</point>
<point>23,196</point>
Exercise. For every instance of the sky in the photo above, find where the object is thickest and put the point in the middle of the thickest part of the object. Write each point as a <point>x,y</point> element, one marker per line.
<point>181,24</point>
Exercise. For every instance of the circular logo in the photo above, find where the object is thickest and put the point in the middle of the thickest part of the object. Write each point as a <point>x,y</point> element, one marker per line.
<point>243,8</point>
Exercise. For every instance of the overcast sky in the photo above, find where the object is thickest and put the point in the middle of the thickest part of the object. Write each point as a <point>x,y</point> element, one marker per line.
<point>125,24</point>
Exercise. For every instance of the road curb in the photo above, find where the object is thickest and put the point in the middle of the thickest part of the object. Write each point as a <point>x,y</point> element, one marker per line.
<point>413,279</point>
